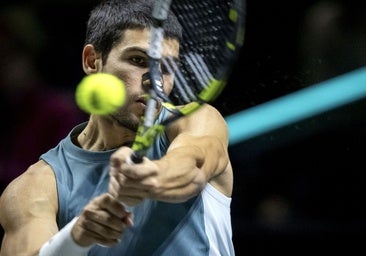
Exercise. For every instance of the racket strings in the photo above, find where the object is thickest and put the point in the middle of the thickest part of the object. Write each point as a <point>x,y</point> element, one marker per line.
<point>204,53</point>
<point>206,26</point>
<point>200,69</point>
<point>184,91</point>
<point>205,23</point>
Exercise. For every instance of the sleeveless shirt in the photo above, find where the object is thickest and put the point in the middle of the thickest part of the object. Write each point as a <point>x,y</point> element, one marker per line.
<point>200,226</point>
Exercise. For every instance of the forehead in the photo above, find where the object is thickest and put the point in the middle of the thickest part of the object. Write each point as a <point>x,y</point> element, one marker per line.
<point>133,38</point>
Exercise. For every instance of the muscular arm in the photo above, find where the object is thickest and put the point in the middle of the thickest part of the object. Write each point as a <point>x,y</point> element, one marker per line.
<point>202,138</point>
<point>28,210</point>
<point>197,155</point>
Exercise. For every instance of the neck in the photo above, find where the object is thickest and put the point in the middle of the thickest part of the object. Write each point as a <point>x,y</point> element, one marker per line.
<point>102,133</point>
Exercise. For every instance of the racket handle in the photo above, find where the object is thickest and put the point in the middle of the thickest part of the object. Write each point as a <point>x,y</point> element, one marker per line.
<point>135,158</point>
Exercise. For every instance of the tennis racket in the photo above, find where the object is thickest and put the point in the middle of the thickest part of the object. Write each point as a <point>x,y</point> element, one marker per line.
<point>213,34</point>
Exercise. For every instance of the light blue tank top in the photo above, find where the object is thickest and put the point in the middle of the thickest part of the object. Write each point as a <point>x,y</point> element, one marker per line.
<point>159,228</point>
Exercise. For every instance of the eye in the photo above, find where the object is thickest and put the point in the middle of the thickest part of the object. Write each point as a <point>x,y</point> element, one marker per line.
<point>139,61</point>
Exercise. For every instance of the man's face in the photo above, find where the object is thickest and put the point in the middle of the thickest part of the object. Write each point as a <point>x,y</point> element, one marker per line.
<point>128,60</point>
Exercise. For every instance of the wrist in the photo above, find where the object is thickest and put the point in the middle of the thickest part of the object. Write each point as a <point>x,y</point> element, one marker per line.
<point>62,243</point>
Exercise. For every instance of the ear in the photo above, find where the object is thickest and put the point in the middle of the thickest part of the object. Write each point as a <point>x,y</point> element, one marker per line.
<point>91,60</point>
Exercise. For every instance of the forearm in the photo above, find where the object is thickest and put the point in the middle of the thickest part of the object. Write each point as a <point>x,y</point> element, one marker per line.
<point>182,173</point>
<point>209,154</point>
<point>190,163</point>
<point>62,243</point>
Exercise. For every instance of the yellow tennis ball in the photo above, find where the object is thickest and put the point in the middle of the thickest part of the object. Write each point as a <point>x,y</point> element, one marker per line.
<point>100,94</point>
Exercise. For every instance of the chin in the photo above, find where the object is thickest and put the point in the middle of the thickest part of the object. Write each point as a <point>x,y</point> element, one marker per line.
<point>130,121</point>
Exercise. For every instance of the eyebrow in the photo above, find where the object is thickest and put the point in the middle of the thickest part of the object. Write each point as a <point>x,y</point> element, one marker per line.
<point>145,51</point>
<point>136,48</point>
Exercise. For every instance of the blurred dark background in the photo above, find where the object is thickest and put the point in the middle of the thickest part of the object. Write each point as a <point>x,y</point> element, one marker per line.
<point>298,189</point>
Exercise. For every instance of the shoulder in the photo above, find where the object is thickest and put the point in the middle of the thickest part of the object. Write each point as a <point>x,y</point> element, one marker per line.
<point>206,116</point>
<point>31,195</point>
<point>208,110</point>
<point>207,120</point>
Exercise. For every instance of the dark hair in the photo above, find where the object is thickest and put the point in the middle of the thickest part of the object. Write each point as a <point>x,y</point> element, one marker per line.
<point>110,18</point>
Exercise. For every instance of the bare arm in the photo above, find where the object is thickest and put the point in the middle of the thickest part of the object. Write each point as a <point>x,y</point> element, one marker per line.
<point>197,155</point>
<point>28,210</point>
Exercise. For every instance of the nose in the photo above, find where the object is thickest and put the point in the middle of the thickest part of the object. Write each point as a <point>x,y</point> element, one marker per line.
<point>153,81</point>
<point>146,81</point>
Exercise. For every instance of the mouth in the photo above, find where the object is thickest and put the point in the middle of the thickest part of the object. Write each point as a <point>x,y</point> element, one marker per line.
<point>142,100</point>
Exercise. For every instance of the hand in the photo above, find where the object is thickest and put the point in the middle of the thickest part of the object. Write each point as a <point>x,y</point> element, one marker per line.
<point>102,221</point>
<point>125,188</point>
<point>174,178</point>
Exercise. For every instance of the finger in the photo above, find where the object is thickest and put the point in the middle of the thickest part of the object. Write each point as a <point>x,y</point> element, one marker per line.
<point>90,231</point>
<point>138,171</point>
<point>113,186</point>
<point>141,187</point>
<point>113,206</point>
<point>121,154</point>
<point>130,200</point>
<point>122,187</point>
<point>109,230</point>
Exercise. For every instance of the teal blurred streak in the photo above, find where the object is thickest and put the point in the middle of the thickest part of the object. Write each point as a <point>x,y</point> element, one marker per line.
<point>294,107</point>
